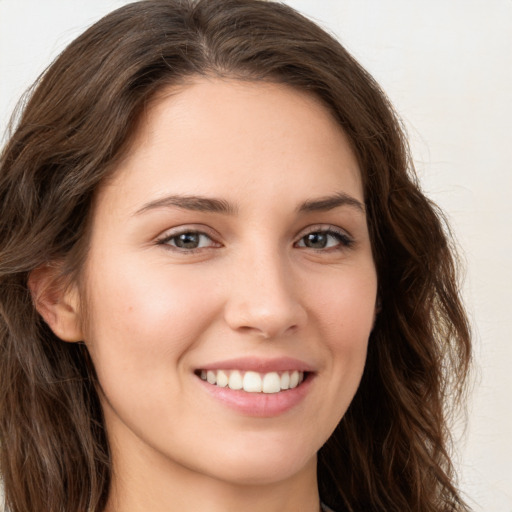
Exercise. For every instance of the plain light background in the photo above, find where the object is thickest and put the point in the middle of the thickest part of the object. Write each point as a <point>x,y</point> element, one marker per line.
<point>447,67</point>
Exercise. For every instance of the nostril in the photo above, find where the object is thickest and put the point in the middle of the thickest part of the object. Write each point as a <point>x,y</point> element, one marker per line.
<point>268,331</point>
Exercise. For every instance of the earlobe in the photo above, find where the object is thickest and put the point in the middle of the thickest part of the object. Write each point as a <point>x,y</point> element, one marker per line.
<point>56,302</point>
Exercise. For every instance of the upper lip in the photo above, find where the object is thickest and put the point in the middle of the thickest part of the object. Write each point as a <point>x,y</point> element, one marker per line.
<point>261,365</point>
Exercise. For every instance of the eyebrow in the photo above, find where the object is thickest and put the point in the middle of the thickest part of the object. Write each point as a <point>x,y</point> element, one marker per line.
<point>194,203</point>
<point>327,203</point>
<point>214,205</point>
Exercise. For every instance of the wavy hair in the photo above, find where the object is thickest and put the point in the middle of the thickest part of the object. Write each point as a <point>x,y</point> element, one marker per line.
<point>391,450</point>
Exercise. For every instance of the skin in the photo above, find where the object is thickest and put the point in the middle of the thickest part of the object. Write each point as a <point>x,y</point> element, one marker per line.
<point>254,288</point>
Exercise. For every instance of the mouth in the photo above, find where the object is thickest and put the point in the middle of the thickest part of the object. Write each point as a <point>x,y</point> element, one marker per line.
<point>253,382</point>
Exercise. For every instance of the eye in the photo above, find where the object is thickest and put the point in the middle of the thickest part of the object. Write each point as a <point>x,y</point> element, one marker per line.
<point>325,239</point>
<point>188,241</point>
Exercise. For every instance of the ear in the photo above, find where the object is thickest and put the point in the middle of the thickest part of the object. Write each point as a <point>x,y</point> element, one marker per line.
<point>56,302</point>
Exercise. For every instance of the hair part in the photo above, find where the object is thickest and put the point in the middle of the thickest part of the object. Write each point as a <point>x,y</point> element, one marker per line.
<point>390,451</point>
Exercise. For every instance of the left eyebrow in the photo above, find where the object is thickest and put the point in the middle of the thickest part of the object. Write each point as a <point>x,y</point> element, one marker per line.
<point>327,203</point>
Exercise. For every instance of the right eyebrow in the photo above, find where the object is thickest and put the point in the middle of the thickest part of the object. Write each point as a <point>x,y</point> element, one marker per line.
<point>193,203</point>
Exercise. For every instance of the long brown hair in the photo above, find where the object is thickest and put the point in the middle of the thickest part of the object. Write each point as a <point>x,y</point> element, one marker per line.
<point>390,452</point>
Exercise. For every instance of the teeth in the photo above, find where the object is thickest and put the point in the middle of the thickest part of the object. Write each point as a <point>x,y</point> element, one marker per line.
<point>235,380</point>
<point>211,377</point>
<point>222,379</point>
<point>285,380</point>
<point>271,383</point>
<point>294,379</point>
<point>253,382</point>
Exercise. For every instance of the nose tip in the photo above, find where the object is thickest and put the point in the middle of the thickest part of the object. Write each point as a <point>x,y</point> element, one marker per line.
<point>265,303</point>
<point>266,321</point>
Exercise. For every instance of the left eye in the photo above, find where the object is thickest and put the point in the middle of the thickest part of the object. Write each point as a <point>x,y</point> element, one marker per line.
<point>324,240</point>
<point>188,240</point>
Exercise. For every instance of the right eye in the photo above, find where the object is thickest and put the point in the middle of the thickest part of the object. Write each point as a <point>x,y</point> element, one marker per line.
<point>188,241</point>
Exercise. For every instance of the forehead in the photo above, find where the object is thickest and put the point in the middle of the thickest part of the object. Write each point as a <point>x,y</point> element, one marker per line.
<point>215,136</point>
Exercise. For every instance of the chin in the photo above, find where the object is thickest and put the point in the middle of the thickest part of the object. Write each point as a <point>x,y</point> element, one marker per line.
<point>263,462</point>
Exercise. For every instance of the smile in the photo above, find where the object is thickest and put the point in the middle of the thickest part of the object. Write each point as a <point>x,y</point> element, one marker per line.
<point>253,382</point>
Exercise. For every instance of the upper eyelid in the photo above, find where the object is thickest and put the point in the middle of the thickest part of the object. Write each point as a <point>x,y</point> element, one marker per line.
<point>193,228</point>
<point>325,228</point>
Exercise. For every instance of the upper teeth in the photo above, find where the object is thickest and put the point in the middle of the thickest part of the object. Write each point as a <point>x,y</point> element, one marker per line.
<point>253,382</point>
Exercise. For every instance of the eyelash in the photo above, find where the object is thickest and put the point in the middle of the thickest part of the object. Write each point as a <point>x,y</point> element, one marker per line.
<point>174,236</point>
<point>344,240</point>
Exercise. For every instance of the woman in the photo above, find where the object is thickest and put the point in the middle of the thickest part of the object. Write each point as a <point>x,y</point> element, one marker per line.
<point>221,286</point>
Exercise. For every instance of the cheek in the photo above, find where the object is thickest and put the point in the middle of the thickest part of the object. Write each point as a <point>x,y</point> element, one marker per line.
<point>344,305</point>
<point>345,310</point>
<point>142,329</point>
<point>146,320</point>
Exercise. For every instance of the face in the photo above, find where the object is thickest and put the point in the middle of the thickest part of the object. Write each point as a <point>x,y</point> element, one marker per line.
<point>230,284</point>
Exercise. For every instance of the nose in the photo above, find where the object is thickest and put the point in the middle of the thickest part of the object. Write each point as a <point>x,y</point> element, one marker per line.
<point>264,299</point>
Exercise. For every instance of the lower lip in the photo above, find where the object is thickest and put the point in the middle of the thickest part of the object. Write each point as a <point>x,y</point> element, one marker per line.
<point>261,405</point>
